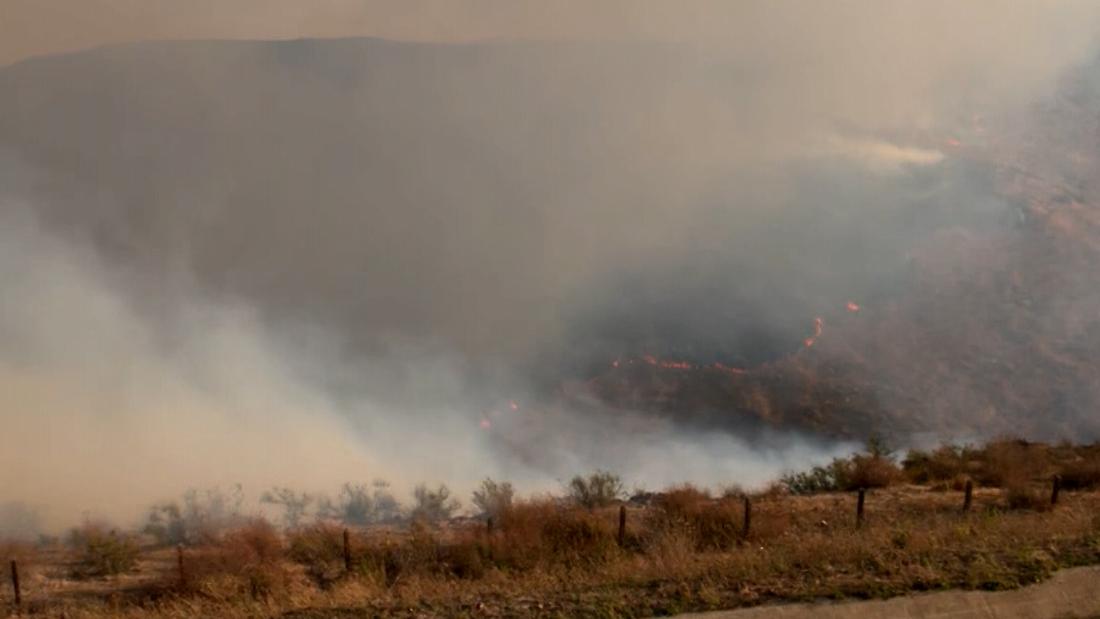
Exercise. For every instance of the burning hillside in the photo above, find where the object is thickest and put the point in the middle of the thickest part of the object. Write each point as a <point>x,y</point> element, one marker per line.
<point>992,332</point>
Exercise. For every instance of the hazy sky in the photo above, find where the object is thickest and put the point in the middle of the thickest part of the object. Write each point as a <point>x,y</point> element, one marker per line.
<point>935,27</point>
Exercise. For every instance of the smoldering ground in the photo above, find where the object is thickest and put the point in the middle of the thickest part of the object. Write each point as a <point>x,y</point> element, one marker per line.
<point>306,262</point>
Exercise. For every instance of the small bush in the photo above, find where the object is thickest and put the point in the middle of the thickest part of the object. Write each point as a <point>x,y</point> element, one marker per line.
<point>493,498</point>
<point>542,532</point>
<point>463,559</point>
<point>199,518</point>
<point>419,553</point>
<point>943,464</point>
<point>681,502</point>
<point>433,506</point>
<point>294,504</point>
<point>871,471</point>
<point>734,491</point>
<point>709,524</point>
<point>1026,496</point>
<point>846,474</point>
<point>359,505</point>
<point>520,542</point>
<point>599,489</point>
<point>320,550</point>
<point>1009,463</point>
<point>103,553</point>
<point>246,561</point>
<point>818,479</point>
<point>574,536</point>
<point>1081,475</point>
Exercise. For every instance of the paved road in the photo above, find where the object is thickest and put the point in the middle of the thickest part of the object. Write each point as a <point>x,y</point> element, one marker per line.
<point>1073,593</point>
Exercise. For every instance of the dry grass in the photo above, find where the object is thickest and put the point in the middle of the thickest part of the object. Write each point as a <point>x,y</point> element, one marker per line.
<point>22,552</point>
<point>1082,472</point>
<point>542,533</point>
<point>682,554</point>
<point>685,551</point>
<point>1021,495</point>
<point>247,562</point>
<point>689,514</point>
<point>1006,463</point>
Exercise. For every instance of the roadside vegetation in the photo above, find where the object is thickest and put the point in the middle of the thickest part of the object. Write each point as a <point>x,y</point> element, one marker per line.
<point>683,549</point>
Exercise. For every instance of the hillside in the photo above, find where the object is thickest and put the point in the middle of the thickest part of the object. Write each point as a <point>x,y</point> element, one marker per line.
<point>500,203</point>
<point>993,333</point>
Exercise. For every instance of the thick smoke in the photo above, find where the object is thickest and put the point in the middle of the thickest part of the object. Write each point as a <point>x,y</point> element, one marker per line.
<point>306,262</point>
<point>107,410</point>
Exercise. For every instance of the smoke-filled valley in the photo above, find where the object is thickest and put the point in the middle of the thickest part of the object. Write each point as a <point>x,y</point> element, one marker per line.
<point>308,262</point>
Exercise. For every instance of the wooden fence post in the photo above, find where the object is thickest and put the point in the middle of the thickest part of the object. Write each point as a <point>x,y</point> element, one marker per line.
<point>347,551</point>
<point>622,526</point>
<point>15,583</point>
<point>859,507</point>
<point>1056,487</point>
<point>747,525</point>
<point>968,497</point>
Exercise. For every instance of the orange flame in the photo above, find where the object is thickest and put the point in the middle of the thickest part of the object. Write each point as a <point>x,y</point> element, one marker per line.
<point>819,326</point>
<point>721,367</point>
<point>671,364</point>
<point>676,365</point>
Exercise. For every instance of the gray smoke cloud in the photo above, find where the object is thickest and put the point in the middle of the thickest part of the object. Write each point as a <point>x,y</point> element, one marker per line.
<point>304,262</point>
<point>107,410</point>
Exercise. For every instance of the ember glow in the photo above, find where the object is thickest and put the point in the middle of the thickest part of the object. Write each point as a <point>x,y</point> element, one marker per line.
<point>727,369</point>
<point>819,326</point>
<point>676,364</point>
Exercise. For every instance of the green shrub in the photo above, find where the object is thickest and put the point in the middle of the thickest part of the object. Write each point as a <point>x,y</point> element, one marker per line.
<point>432,506</point>
<point>201,517</point>
<point>294,504</point>
<point>493,498</point>
<point>359,505</point>
<point>869,470</point>
<point>103,553</point>
<point>941,465</point>
<point>599,489</point>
